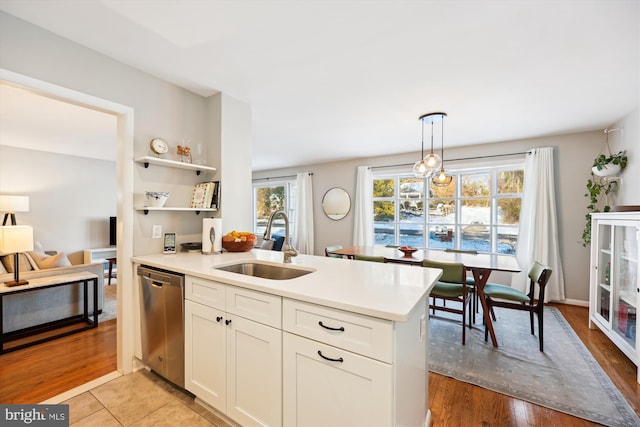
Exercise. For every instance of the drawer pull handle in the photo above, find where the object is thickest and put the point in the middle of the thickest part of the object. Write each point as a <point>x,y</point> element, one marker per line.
<point>339,359</point>
<point>227,322</point>
<point>218,319</point>
<point>341,328</point>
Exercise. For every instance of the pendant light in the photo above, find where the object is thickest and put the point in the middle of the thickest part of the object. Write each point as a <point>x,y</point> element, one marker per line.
<point>442,179</point>
<point>430,163</point>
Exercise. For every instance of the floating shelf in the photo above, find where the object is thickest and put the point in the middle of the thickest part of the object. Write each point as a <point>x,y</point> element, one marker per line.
<point>148,160</point>
<point>146,209</point>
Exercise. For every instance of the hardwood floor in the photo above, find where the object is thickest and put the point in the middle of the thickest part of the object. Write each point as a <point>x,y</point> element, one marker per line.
<point>454,403</point>
<point>37,373</point>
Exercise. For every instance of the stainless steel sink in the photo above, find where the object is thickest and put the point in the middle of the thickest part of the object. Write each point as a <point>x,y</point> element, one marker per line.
<point>265,271</point>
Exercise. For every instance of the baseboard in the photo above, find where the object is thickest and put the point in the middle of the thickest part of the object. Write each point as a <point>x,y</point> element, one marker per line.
<point>577,302</point>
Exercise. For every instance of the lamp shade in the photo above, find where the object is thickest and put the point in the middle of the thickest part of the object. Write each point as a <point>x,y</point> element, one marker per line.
<point>16,238</point>
<point>14,203</point>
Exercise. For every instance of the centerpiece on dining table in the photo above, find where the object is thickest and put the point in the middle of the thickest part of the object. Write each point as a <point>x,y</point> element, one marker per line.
<point>407,251</point>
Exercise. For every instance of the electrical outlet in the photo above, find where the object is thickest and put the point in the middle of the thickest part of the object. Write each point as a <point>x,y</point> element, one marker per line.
<point>157,232</point>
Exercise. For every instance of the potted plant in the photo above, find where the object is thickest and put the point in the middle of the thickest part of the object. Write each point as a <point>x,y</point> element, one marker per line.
<point>609,165</point>
<point>600,183</point>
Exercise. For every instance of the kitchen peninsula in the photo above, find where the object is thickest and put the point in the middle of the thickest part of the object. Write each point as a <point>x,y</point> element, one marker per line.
<point>343,344</point>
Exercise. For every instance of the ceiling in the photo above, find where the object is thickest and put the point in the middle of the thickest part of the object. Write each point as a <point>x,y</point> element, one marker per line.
<point>336,80</point>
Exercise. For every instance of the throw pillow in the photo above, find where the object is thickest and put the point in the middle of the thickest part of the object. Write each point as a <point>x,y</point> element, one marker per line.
<point>45,261</point>
<point>23,261</point>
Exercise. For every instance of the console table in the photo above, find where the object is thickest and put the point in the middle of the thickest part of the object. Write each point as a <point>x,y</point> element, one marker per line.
<point>83,278</point>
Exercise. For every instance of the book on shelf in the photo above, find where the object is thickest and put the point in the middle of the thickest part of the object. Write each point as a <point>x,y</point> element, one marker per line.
<point>206,195</point>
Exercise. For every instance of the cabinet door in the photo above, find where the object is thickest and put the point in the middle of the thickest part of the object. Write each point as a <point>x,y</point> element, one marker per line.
<point>205,354</point>
<point>624,276</point>
<point>254,373</point>
<point>349,390</point>
<point>602,297</point>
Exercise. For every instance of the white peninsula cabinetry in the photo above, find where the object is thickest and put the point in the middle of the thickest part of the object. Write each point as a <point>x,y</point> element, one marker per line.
<point>265,360</point>
<point>233,351</point>
<point>615,279</point>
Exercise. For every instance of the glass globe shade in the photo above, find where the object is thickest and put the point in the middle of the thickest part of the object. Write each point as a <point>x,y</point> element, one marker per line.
<point>433,161</point>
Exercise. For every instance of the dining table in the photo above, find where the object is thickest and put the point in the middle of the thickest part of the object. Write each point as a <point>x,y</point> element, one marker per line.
<point>479,264</point>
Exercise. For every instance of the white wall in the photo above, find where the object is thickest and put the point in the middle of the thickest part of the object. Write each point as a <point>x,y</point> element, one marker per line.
<point>161,110</point>
<point>628,138</point>
<point>574,155</point>
<point>71,198</point>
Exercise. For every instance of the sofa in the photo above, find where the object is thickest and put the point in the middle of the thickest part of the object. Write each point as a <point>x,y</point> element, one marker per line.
<point>24,310</point>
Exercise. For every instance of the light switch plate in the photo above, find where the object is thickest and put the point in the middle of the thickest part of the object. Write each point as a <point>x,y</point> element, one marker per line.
<point>157,232</point>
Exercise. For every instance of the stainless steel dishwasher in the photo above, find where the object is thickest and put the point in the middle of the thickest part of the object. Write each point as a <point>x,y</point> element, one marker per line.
<point>162,322</point>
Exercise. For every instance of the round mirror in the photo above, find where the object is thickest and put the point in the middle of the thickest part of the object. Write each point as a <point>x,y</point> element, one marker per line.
<point>336,203</point>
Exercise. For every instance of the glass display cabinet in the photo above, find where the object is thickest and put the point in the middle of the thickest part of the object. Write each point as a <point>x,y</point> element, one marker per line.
<point>615,289</point>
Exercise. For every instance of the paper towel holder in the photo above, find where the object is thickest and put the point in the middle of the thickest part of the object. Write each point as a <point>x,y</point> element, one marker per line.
<point>212,239</point>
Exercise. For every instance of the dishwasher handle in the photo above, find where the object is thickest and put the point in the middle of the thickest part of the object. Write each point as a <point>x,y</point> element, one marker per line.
<point>154,282</point>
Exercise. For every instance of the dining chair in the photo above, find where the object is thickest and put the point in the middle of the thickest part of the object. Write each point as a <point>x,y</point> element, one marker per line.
<point>452,286</point>
<point>332,248</point>
<point>470,281</point>
<point>372,258</point>
<point>507,297</point>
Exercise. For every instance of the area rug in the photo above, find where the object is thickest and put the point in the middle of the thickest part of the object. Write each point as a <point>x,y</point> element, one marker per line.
<point>109,305</point>
<point>565,377</point>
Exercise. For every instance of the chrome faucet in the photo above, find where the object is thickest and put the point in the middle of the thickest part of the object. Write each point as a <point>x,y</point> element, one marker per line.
<point>289,251</point>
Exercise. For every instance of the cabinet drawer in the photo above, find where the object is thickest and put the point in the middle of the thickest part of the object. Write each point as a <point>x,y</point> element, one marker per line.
<point>256,306</point>
<point>327,386</point>
<point>364,335</point>
<point>207,292</point>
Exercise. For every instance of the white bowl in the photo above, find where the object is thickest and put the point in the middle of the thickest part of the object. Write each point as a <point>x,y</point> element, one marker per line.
<point>155,199</point>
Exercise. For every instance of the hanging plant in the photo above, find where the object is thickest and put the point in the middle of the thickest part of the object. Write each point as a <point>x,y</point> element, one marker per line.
<point>601,183</point>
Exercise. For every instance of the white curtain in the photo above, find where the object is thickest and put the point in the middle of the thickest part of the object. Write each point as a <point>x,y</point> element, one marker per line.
<point>303,241</point>
<point>363,209</point>
<point>538,239</point>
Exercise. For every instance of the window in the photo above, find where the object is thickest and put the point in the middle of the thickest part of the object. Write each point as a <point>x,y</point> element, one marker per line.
<point>479,210</point>
<point>269,197</point>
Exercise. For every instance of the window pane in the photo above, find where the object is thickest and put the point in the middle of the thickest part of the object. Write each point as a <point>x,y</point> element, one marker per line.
<point>384,234</point>
<point>441,236</point>
<point>476,185</point>
<point>442,211</point>
<point>383,187</point>
<point>268,200</point>
<point>411,188</point>
<point>507,240</point>
<point>509,210</point>
<point>475,233</point>
<point>412,235</point>
<point>383,211</point>
<point>510,181</point>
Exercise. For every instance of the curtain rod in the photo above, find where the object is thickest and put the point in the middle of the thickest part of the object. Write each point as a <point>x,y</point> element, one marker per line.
<point>461,158</point>
<point>278,177</point>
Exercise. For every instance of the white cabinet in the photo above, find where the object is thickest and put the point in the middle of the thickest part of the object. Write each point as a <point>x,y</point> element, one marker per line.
<point>343,369</point>
<point>233,356</point>
<point>615,279</point>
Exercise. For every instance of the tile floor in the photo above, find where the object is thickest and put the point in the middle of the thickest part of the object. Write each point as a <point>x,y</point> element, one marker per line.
<point>139,399</point>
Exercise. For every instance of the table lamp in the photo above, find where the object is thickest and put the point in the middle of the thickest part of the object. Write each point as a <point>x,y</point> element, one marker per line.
<point>12,204</point>
<point>13,240</point>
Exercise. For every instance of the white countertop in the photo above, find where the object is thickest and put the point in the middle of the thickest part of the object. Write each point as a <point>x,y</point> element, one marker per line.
<point>387,291</point>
